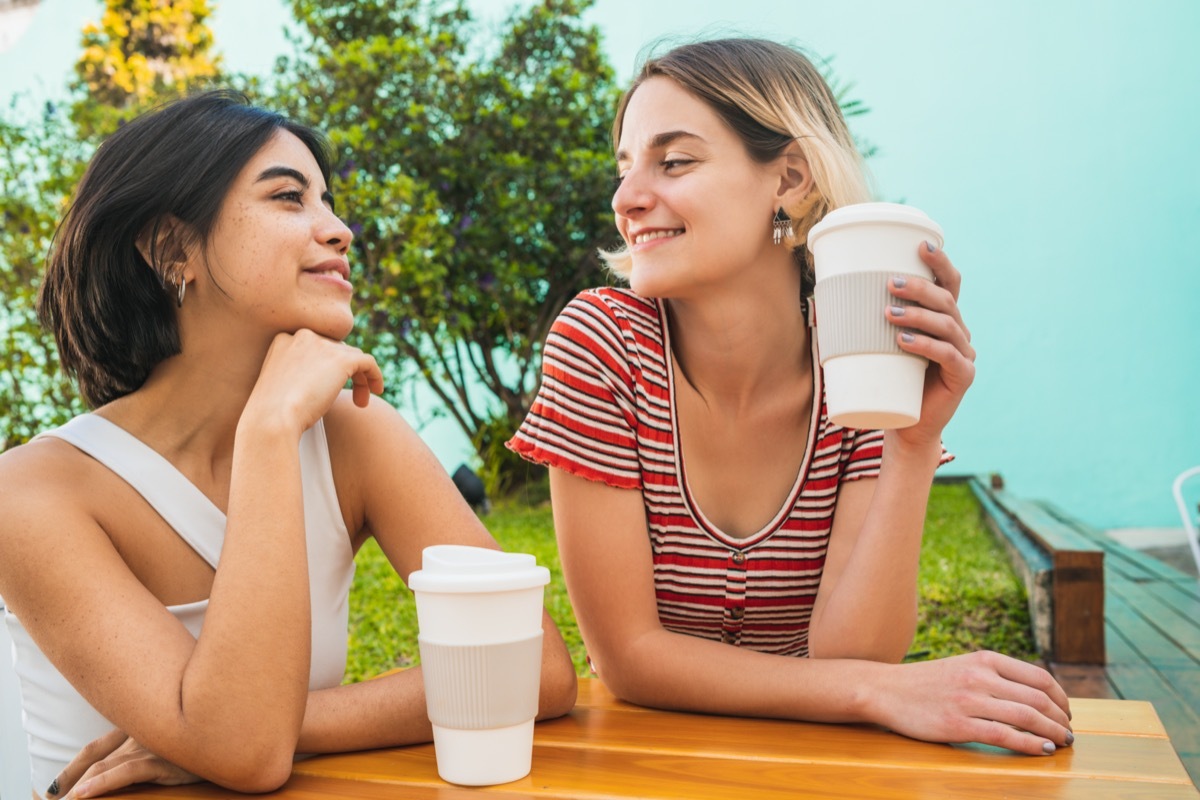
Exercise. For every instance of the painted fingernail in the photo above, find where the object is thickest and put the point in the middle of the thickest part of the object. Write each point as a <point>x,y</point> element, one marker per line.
<point>1048,748</point>
<point>897,311</point>
<point>899,283</point>
<point>53,790</point>
<point>907,338</point>
<point>930,247</point>
<point>1070,738</point>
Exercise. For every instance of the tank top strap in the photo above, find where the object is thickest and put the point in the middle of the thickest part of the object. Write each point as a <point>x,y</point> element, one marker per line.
<point>176,499</point>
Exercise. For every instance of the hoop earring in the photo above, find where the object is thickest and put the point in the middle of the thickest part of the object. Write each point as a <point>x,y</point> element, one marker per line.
<point>182,291</point>
<point>781,226</point>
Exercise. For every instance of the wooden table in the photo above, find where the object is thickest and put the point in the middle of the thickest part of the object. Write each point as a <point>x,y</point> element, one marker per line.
<point>608,749</point>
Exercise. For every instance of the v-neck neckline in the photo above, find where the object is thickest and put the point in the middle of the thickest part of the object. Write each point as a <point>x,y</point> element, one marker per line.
<point>693,506</point>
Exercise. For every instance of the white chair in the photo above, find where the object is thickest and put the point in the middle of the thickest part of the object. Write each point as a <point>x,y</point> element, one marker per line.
<point>1186,514</point>
<point>14,752</point>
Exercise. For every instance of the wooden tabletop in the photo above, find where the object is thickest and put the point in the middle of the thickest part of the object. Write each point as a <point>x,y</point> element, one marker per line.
<point>609,749</point>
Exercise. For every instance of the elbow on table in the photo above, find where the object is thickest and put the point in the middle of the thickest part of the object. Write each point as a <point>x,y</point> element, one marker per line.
<point>258,775</point>
<point>250,763</point>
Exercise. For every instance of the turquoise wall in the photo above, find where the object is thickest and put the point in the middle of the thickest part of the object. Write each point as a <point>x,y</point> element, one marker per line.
<point>1058,145</point>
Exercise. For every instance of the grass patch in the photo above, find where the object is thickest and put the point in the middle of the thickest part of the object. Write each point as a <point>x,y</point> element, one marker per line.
<point>970,597</point>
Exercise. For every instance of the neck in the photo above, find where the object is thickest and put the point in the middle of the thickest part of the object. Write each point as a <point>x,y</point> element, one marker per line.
<point>190,405</point>
<point>736,342</point>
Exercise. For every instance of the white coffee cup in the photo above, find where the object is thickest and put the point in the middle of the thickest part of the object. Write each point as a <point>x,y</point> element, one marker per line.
<point>869,381</point>
<point>479,615</point>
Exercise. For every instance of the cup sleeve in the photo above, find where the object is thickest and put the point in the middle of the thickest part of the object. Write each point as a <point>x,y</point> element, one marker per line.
<point>583,419</point>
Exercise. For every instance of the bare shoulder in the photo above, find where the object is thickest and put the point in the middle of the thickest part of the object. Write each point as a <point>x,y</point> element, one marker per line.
<point>45,475</point>
<point>46,506</point>
<point>368,435</point>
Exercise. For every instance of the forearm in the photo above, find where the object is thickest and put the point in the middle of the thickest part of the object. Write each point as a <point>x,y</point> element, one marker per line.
<point>871,612</point>
<point>389,710</point>
<point>244,687</point>
<point>680,672</point>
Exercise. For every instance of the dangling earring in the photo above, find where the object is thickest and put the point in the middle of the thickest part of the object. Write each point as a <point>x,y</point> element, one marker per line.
<point>781,226</point>
<point>182,292</point>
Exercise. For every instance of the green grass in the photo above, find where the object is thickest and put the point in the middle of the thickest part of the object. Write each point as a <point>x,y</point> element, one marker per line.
<point>971,598</point>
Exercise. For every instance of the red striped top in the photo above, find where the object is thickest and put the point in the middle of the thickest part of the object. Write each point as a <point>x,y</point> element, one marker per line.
<point>605,411</point>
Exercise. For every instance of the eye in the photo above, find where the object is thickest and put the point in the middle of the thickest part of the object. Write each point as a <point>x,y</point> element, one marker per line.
<point>674,163</point>
<point>291,196</point>
<point>616,180</point>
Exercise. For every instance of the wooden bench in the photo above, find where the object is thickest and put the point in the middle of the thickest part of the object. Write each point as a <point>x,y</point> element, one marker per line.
<point>1063,572</point>
<point>1151,618</point>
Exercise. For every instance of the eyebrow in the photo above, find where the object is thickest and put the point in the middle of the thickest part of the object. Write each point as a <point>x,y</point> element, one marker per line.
<point>662,140</point>
<point>296,175</point>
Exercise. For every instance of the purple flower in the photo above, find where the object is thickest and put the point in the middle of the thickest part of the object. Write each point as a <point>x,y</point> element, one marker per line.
<point>356,228</point>
<point>346,169</point>
<point>467,221</point>
<point>487,281</point>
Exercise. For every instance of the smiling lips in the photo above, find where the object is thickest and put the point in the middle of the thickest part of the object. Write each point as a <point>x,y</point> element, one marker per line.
<point>650,236</point>
<point>335,267</point>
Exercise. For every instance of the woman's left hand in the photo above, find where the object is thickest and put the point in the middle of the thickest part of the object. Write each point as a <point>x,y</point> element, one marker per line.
<point>113,762</point>
<point>937,332</point>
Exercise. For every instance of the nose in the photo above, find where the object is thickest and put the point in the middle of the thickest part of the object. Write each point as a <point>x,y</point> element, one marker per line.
<point>333,231</point>
<point>633,195</point>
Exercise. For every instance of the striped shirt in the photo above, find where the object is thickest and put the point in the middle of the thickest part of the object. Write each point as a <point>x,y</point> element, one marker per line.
<point>605,411</point>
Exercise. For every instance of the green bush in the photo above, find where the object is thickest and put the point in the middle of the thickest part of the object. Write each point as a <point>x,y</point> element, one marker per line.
<point>970,597</point>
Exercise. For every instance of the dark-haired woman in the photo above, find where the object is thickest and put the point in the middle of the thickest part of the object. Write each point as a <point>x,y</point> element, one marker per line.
<point>176,563</point>
<point>726,546</point>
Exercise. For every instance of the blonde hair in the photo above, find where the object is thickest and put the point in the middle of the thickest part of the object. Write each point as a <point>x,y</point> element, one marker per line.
<point>770,95</point>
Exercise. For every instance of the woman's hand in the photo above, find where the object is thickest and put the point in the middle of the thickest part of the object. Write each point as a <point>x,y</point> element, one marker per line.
<point>303,374</point>
<point>113,762</point>
<point>939,334</point>
<point>980,697</point>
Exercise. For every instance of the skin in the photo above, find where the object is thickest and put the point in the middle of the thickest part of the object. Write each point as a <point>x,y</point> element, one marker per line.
<point>89,567</point>
<point>744,396</point>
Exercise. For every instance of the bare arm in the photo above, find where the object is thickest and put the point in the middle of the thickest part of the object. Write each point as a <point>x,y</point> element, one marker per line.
<point>229,705</point>
<point>867,603</point>
<point>397,491</point>
<point>606,556</point>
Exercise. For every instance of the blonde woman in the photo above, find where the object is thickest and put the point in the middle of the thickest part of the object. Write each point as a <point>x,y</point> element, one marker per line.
<point>728,549</point>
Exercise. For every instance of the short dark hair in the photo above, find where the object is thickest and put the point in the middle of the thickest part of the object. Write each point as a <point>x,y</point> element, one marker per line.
<point>113,313</point>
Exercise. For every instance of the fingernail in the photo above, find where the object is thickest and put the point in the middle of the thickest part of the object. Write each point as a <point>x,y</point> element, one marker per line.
<point>899,283</point>
<point>897,311</point>
<point>53,790</point>
<point>1070,738</point>
<point>1048,748</point>
<point>84,789</point>
<point>907,338</point>
<point>930,247</point>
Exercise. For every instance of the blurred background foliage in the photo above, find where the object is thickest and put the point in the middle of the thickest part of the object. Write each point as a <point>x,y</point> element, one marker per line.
<point>473,166</point>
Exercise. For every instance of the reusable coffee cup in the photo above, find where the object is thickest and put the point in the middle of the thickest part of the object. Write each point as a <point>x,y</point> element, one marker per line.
<point>869,381</point>
<point>479,616</point>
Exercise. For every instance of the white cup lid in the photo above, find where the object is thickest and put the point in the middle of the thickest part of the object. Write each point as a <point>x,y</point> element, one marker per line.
<point>874,213</point>
<point>459,568</point>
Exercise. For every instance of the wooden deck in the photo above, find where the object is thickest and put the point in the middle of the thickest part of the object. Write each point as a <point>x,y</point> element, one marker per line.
<point>1151,636</point>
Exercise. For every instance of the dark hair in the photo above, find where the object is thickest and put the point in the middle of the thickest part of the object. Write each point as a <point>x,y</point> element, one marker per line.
<point>112,313</point>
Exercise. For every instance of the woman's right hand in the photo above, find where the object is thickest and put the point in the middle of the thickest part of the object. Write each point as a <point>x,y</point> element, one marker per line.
<point>302,375</point>
<point>980,697</point>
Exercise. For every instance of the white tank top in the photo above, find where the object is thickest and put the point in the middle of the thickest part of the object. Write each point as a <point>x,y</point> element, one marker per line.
<point>57,720</point>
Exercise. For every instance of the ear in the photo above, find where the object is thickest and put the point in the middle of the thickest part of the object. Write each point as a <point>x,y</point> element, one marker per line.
<point>795,176</point>
<point>163,246</point>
